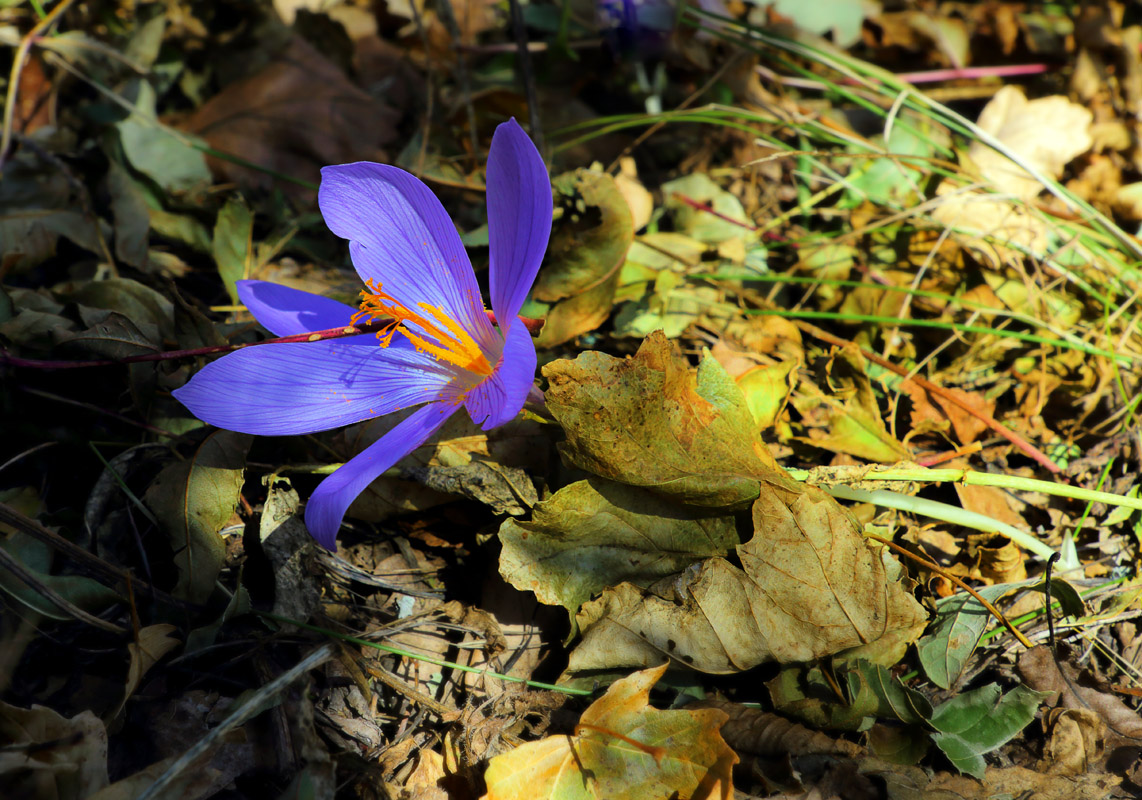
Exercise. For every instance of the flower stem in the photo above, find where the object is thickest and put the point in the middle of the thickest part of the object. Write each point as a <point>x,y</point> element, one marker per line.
<point>533,325</point>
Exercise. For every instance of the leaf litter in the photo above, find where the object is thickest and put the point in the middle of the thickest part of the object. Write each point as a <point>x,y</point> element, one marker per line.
<point>874,237</point>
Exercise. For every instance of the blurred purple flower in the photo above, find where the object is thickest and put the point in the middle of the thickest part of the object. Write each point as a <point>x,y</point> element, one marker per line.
<point>416,271</point>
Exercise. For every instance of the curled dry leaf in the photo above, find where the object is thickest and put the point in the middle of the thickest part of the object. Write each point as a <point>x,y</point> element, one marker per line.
<point>751,730</point>
<point>622,748</point>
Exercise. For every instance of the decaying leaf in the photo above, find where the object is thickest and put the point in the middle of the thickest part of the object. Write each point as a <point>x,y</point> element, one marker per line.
<point>1070,687</point>
<point>47,755</point>
<point>150,645</point>
<point>622,748</point>
<point>595,533</point>
<point>751,730</point>
<point>193,500</point>
<point>1045,133</point>
<point>696,442</point>
<point>293,117</point>
<point>588,245</point>
<point>808,585</point>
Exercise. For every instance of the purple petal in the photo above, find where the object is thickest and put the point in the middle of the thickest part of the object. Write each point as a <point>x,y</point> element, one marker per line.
<point>519,218</point>
<point>401,237</point>
<point>280,389</point>
<point>286,312</point>
<point>499,398</point>
<point>328,503</point>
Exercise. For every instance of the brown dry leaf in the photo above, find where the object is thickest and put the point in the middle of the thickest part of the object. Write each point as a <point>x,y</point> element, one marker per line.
<point>49,756</point>
<point>1075,742</point>
<point>152,643</point>
<point>1047,132</point>
<point>915,782</point>
<point>809,583</point>
<point>293,116</point>
<point>1073,689</point>
<point>987,500</point>
<point>751,730</point>
<point>810,586</point>
<point>622,748</point>
<point>927,408</point>
<point>1000,560</point>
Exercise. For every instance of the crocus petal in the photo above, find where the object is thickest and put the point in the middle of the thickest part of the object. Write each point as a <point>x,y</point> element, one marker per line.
<point>280,389</point>
<point>328,503</point>
<point>519,218</point>
<point>401,237</point>
<point>286,312</point>
<point>500,397</point>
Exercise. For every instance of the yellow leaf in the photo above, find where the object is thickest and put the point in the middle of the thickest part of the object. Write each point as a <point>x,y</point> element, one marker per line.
<point>622,748</point>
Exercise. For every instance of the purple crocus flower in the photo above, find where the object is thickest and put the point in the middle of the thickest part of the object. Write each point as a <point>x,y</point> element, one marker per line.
<point>417,274</point>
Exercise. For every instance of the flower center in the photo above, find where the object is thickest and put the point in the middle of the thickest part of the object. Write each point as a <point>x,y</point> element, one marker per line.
<point>449,341</point>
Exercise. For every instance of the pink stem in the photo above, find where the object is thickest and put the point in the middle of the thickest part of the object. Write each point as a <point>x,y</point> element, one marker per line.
<point>533,325</point>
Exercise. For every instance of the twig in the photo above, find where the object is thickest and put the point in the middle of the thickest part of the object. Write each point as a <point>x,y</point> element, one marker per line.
<point>927,385</point>
<point>444,9</point>
<point>16,568</point>
<point>526,75</point>
<point>253,705</point>
<point>995,612</point>
<point>12,517</point>
<point>14,76</point>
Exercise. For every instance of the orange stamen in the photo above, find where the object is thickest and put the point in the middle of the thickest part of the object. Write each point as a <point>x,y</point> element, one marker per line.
<point>452,343</point>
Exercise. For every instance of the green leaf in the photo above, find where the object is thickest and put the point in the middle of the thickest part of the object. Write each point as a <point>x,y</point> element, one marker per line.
<point>980,721</point>
<point>843,18</point>
<point>233,242</point>
<point>594,533</point>
<point>36,557</point>
<point>951,639</point>
<point>132,217</point>
<point>872,692</point>
<point>193,500</point>
<point>696,442</point>
<point>166,156</point>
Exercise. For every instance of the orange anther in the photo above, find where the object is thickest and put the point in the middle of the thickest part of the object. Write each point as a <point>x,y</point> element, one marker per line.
<point>443,336</point>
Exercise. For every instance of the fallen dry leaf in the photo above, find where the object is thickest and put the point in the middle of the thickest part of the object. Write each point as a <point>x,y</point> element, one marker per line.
<point>1047,133</point>
<point>622,748</point>
<point>808,585</point>
<point>294,116</point>
<point>1074,688</point>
